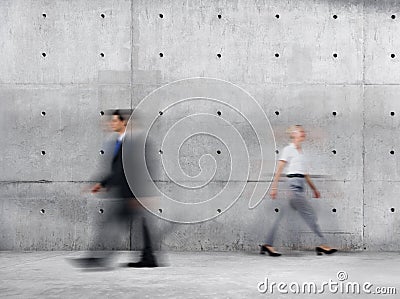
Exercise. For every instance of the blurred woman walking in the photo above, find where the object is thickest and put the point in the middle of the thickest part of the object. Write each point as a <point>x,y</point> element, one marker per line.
<point>293,159</point>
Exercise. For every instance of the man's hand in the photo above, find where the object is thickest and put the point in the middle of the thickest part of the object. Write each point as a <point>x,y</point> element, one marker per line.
<point>96,188</point>
<point>273,193</point>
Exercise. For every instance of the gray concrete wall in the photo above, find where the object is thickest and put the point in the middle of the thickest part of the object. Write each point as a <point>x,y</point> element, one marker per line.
<point>63,62</point>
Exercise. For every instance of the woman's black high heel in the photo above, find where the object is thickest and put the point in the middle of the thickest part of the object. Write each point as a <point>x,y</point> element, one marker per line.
<point>320,250</point>
<point>264,249</point>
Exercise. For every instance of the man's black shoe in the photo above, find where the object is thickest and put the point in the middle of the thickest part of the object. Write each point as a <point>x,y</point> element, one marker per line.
<point>89,262</point>
<point>143,264</point>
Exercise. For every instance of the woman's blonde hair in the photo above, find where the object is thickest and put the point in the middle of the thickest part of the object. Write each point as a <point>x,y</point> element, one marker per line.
<point>292,129</point>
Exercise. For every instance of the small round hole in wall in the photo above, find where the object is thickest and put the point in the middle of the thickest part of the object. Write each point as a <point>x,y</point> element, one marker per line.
<point>334,16</point>
<point>392,210</point>
<point>276,210</point>
<point>160,112</point>
<point>334,152</point>
<point>219,113</point>
<point>218,152</point>
<point>101,152</point>
<point>161,15</point>
<point>161,54</point>
<point>393,17</point>
<point>43,153</point>
<point>219,210</point>
<point>219,55</point>
<point>219,16</point>
<point>103,15</point>
<point>43,113</point>
<point>160,211</point>
<point>334,113</point>
<point>101,211</point>
<point>277,16</point>
<point>160,152</point>
<point>42,211</point>
<point>101,113</point>
<point>44,15</point>
<point>392,152</point>
<point>277,112</point>
<point>102,54</point>
<point>44,54</point>
<point>334,210</point>
<point>276,55</point>
<point>276,152</point>
<point>392,113</point>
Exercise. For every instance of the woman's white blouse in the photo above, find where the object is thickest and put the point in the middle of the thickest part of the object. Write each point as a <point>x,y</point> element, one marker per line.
<point>296,162</point>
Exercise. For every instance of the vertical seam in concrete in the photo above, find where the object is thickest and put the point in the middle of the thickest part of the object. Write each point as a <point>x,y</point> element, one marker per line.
<point>131,94</point>
<point>131,56</point>
<point>363,126</point>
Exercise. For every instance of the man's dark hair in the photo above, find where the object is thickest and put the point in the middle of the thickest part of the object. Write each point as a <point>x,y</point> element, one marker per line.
<point>123,114</point>
<point>118,113</point>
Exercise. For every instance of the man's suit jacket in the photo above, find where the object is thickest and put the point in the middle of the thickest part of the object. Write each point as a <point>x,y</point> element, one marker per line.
<point>116,178</point>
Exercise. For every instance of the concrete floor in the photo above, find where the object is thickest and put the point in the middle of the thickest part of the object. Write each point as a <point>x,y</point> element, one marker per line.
<point>194,275</point>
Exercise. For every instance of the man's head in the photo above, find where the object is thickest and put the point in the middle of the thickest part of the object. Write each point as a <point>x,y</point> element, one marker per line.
<point>118,122</point>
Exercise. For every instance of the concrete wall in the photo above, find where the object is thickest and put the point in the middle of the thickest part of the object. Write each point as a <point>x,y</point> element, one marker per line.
<point>63,62</point>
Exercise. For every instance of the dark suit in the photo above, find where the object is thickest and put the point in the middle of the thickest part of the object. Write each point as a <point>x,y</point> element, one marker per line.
<point>116,179</point>
<point>125,207</point>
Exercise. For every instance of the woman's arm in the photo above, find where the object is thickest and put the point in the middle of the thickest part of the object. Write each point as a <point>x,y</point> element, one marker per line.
<point>274,186</point>
<point>312,186</point>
